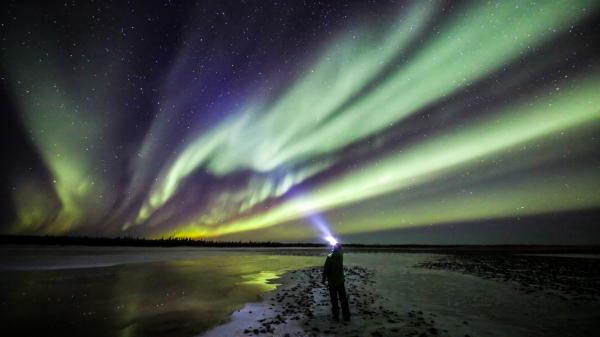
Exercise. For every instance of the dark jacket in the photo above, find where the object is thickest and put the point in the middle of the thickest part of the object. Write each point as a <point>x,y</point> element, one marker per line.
<point>333,271</point>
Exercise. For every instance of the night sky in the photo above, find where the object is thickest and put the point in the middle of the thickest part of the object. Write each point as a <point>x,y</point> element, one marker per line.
<point>382,121</point>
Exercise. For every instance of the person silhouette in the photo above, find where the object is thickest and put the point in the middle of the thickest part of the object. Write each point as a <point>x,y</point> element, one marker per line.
<point>333,277</point>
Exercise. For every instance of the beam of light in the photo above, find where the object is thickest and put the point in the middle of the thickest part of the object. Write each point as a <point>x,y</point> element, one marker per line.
<point>332,241</point>
<point>462,148</point>
<point>320,224</point>
<point>316,220</point>
<point>474,44</point>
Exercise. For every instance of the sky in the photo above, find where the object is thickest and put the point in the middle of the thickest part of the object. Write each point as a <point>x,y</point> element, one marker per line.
<point>441,122</point>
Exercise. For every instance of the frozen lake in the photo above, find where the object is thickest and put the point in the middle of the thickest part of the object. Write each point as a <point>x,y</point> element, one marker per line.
<point>77,291</point>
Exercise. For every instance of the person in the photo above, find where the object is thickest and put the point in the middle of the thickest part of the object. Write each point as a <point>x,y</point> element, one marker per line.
<point>333,276</point>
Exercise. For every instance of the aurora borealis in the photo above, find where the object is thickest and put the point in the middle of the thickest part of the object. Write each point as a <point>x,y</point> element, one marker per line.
<point>241,120</point>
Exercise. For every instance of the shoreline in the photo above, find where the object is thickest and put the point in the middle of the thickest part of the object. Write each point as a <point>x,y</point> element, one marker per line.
<point>209,293</point>
<point>435,297</point>
<point>300,307</point>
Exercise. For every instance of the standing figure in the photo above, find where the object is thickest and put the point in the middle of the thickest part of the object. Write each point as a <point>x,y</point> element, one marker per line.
<point>333,275</point>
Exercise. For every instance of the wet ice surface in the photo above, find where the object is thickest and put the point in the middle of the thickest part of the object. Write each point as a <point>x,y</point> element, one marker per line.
<point>74,257</point>
<point>185,291</point>
<point>179,292</point>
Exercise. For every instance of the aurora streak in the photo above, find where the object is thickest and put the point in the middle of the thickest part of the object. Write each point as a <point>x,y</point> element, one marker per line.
<point>433,114</point>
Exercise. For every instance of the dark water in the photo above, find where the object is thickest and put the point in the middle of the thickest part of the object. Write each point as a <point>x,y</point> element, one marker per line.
<point>179,297</point>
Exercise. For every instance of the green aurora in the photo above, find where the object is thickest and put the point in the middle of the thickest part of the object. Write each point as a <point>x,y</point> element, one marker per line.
<point>382,128</point>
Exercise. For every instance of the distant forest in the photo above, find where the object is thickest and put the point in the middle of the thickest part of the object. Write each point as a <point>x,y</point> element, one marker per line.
<point>357,247</point>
